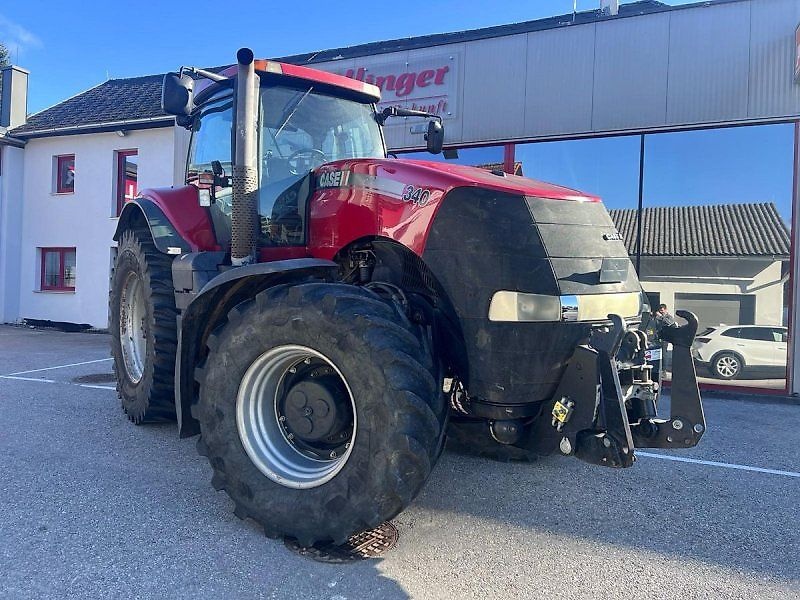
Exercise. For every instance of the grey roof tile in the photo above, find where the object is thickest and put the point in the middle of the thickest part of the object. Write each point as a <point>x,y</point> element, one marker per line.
<point>710,230</point>
<point>114,100</point>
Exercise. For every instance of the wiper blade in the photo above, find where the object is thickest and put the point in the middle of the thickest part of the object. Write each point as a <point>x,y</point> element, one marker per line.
<point>291,114</point>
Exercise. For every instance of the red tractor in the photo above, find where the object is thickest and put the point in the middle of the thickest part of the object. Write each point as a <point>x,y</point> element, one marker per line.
<point>319,312</point>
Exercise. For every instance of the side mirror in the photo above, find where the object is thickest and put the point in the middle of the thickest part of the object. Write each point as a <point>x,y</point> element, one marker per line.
<point>435,136</point>
<point>177,94</point>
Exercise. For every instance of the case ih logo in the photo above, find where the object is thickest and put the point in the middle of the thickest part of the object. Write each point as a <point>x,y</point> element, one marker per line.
<point>427,84</point>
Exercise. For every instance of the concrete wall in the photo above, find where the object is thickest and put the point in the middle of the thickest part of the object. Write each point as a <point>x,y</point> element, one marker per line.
<point>674,276</point>
<point>85,219</point>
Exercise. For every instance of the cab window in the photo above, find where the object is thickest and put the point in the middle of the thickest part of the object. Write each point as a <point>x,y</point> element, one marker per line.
<point>301,129</point>
<point>212,141</point>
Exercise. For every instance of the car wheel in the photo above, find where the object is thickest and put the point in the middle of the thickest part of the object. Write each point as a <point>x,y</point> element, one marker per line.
<point>726,365</point>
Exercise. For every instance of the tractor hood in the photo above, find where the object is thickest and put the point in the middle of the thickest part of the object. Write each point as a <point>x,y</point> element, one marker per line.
<point>437,178</point>
<point>399,199</point>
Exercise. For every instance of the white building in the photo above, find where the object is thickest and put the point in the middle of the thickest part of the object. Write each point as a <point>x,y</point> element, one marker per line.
<point>82,158</point>
<point>504,94</point>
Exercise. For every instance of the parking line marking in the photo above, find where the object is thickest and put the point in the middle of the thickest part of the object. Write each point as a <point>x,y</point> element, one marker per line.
<point>713,463</point>
<point>88,362</point>
<point>98,387</point>
<point>27,379</point>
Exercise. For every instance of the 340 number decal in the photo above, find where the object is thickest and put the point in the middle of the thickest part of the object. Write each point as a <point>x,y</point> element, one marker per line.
<point>417,195</point>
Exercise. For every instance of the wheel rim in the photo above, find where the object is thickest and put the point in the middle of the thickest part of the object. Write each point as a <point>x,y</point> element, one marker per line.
<point>296,416</point>
<point>133,327</point>
<point>727,366</point>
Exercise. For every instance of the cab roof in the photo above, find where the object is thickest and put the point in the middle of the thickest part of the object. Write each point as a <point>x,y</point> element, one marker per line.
<point>362,92</point>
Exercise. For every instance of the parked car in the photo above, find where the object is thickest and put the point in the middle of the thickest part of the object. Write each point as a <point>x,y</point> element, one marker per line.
<point>728,350</point>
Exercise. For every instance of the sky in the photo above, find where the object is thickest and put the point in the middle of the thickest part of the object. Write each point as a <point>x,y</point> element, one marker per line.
<point>68,51</point>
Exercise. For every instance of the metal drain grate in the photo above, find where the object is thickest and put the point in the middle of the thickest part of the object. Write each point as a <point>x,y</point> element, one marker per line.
<point>95,378</point>
<point>367,544</point>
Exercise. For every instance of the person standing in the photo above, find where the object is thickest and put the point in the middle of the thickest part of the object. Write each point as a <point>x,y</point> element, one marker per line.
<point>663,317</point>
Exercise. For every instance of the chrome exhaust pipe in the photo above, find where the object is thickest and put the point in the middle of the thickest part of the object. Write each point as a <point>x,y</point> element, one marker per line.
<point>244,211</point>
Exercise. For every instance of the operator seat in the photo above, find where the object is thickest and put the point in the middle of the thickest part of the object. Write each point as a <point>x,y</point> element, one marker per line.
<point>278,204</point>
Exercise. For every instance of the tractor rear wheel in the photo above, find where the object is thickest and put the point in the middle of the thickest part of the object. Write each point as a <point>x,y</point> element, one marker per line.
<point>318,414</point>
<point>143,328</point>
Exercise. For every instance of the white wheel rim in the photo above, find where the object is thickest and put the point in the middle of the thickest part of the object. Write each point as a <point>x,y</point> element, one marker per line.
<point>727,366</point>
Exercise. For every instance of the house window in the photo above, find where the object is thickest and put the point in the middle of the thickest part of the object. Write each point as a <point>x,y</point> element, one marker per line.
<point>127,177</point>
<point>58,269</point>
<point>65,174</point>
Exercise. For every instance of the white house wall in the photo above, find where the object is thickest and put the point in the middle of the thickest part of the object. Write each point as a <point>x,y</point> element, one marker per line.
<point>85,219</point>
<point>766,286</point>
<point>10,226</point>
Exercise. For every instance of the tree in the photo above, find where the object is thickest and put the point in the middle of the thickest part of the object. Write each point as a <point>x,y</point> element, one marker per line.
<point>5,55</point>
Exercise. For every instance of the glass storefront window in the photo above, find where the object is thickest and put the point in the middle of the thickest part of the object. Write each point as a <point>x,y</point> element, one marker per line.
<point>715,241</point>
<point>715,231</point>
<point>606,167</point>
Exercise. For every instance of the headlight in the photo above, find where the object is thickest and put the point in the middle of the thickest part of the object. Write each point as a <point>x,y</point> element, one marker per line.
<point>516,306</point>
<point>511,306</point>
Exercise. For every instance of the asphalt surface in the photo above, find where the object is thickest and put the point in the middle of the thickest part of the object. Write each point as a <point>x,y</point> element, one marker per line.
<point>91,506</point>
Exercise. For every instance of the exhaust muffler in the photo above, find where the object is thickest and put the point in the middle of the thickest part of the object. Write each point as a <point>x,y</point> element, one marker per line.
<point>244,211</point>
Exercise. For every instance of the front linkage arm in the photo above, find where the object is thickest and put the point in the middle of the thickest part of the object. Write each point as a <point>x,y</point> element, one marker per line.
<point>687,422</point>
<point>592,416</point>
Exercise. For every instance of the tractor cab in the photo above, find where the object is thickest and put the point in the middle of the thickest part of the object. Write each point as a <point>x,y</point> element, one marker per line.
<point>306,119</point>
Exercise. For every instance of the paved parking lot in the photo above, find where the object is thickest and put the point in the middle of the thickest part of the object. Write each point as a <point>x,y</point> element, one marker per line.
<point>91,506</point>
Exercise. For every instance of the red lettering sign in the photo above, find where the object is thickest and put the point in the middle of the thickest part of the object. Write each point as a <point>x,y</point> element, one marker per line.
<point>427,83</point>
<point>401,84</point>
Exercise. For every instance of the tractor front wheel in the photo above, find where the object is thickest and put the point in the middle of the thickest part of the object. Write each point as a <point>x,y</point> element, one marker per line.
<point>143,328</point>
<point>318,414</point>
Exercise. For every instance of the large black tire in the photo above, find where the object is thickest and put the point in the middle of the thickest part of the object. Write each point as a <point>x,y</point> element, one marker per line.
<point>147,395</point>
<point>399,412</point>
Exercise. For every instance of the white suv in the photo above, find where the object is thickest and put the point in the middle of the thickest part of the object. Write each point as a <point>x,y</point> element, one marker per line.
<point>727,350</point>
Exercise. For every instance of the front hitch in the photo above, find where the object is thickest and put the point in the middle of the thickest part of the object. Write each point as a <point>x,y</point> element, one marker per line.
<point>687,422</point>
<point>591,416</point>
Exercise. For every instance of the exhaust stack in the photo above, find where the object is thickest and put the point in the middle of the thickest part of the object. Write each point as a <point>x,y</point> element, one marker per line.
<point>244,213</point>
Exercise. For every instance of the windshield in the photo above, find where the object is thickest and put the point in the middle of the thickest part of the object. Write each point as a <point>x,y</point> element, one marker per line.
<point>303,122</point>
<point>302,129</point>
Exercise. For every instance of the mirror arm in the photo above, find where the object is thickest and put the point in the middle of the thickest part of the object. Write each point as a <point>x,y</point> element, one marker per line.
<point>203,73</point>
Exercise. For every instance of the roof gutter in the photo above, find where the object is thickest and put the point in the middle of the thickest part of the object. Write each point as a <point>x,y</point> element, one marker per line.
<point>7,140</point>
<point>130,124</point>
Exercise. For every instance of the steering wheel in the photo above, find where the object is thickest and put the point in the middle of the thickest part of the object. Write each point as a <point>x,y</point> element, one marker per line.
<point>305,159</point>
